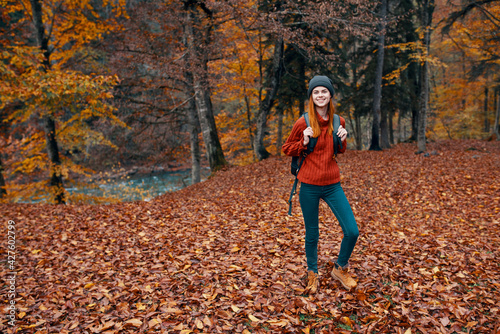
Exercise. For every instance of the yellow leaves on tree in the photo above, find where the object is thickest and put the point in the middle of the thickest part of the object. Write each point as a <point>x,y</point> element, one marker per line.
<point>459,92</point>
<point>56,79</point>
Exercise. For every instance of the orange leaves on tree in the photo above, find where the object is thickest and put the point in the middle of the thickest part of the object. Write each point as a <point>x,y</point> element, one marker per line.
<point>57,81</point>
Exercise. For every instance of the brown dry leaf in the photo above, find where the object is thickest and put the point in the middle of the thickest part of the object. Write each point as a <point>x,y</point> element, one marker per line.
<point>280,323</point>
<point>133,322</point>
<point>253,318</point>
<point>153,322</point>
<point>471,324</point>
<point>445,321</point>
<point>207,321</point>
<point>88,285</point>
<point>198,323</point>
<point>347,321</point>
<point>107,325</point>
<point>369,318</point>
<point>173,310</point>
<point>179,327</point>
<point>74,325</point>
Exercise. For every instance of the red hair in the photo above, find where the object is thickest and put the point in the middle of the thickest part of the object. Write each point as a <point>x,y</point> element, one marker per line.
<point>313,117</point>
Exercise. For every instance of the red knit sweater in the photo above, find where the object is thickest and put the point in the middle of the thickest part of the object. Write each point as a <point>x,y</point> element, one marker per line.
<point>319,168</point>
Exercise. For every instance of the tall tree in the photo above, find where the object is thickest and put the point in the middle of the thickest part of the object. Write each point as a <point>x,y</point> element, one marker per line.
<point>198,39</point>
<point>485,109</point>
<point>194,130</point>
<point>271,90</point>
<point>427,10</point>
<point>377,95</point>
<point>56,181</point>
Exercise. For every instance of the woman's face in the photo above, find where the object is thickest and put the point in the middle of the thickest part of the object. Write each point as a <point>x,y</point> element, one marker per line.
<point>321,96</point>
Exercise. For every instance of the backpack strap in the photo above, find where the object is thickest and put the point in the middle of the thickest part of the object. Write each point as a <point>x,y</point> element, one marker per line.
<point>312,140</point>
<point>310,148</point>
<point>337,143</point>
<point>294,188</point>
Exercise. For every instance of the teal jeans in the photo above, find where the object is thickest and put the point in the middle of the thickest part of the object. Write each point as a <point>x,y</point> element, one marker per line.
<point>334,196</point>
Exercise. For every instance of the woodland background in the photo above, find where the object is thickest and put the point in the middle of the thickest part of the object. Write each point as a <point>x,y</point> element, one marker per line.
<point>91,87</point>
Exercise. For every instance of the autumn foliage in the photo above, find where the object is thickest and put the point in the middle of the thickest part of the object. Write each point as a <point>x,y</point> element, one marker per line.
<point>222,256</point>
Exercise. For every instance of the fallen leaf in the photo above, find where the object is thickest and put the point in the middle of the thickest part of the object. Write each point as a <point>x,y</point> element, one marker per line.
<point>133,322</point>
<point>281,323</point>
<point>153,322</point>
<point>254,319</point>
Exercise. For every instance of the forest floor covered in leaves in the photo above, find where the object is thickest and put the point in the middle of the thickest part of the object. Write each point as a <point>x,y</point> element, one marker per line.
<point>223,256</point>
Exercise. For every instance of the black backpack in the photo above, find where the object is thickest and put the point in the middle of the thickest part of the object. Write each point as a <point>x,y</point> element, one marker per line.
<point>297,161</point>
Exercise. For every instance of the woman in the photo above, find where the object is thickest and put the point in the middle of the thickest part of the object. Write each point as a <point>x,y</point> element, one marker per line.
<point>320,179</point>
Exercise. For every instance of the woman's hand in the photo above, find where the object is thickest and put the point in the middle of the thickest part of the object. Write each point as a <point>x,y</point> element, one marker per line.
<point>342,133</point>
<point>308,132</point>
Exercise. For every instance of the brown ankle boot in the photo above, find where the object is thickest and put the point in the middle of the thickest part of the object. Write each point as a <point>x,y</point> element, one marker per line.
<point>343,276</point>
<point>312,283</point>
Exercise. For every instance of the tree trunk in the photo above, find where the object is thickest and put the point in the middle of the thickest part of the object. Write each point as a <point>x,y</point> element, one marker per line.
<point>414,122</point>
<point>486,120</point>
<point>356,127</point>
<point>272,83</point>
<point>377,95</point>
<point>401,128</point>
<point>249,120</point>
<point>215,155</point>
<point>3,191</point>
<point>352,125</point>
<point>391,127</point>
<point>359,136</point>
<point>303,89</point>
<point>56,181</point>
<point>496,129</point>
<point>384,129</point>
<point>279,136</point>
<point>194,141</point>
<point>427,10</point>
<point>199,70</point>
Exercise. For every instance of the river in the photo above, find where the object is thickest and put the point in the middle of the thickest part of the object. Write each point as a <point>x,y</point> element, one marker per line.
<point>140,188</point>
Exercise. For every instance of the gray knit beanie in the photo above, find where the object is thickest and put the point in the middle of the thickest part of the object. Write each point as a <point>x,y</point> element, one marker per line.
<point>320,80</point>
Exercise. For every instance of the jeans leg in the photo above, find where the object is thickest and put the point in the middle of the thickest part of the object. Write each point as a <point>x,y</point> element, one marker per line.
<point>338,203</point>
<point>309,202</point>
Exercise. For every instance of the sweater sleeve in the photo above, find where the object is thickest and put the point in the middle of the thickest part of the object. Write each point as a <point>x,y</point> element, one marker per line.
<point>294,144</point>
<point>344,143</point>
